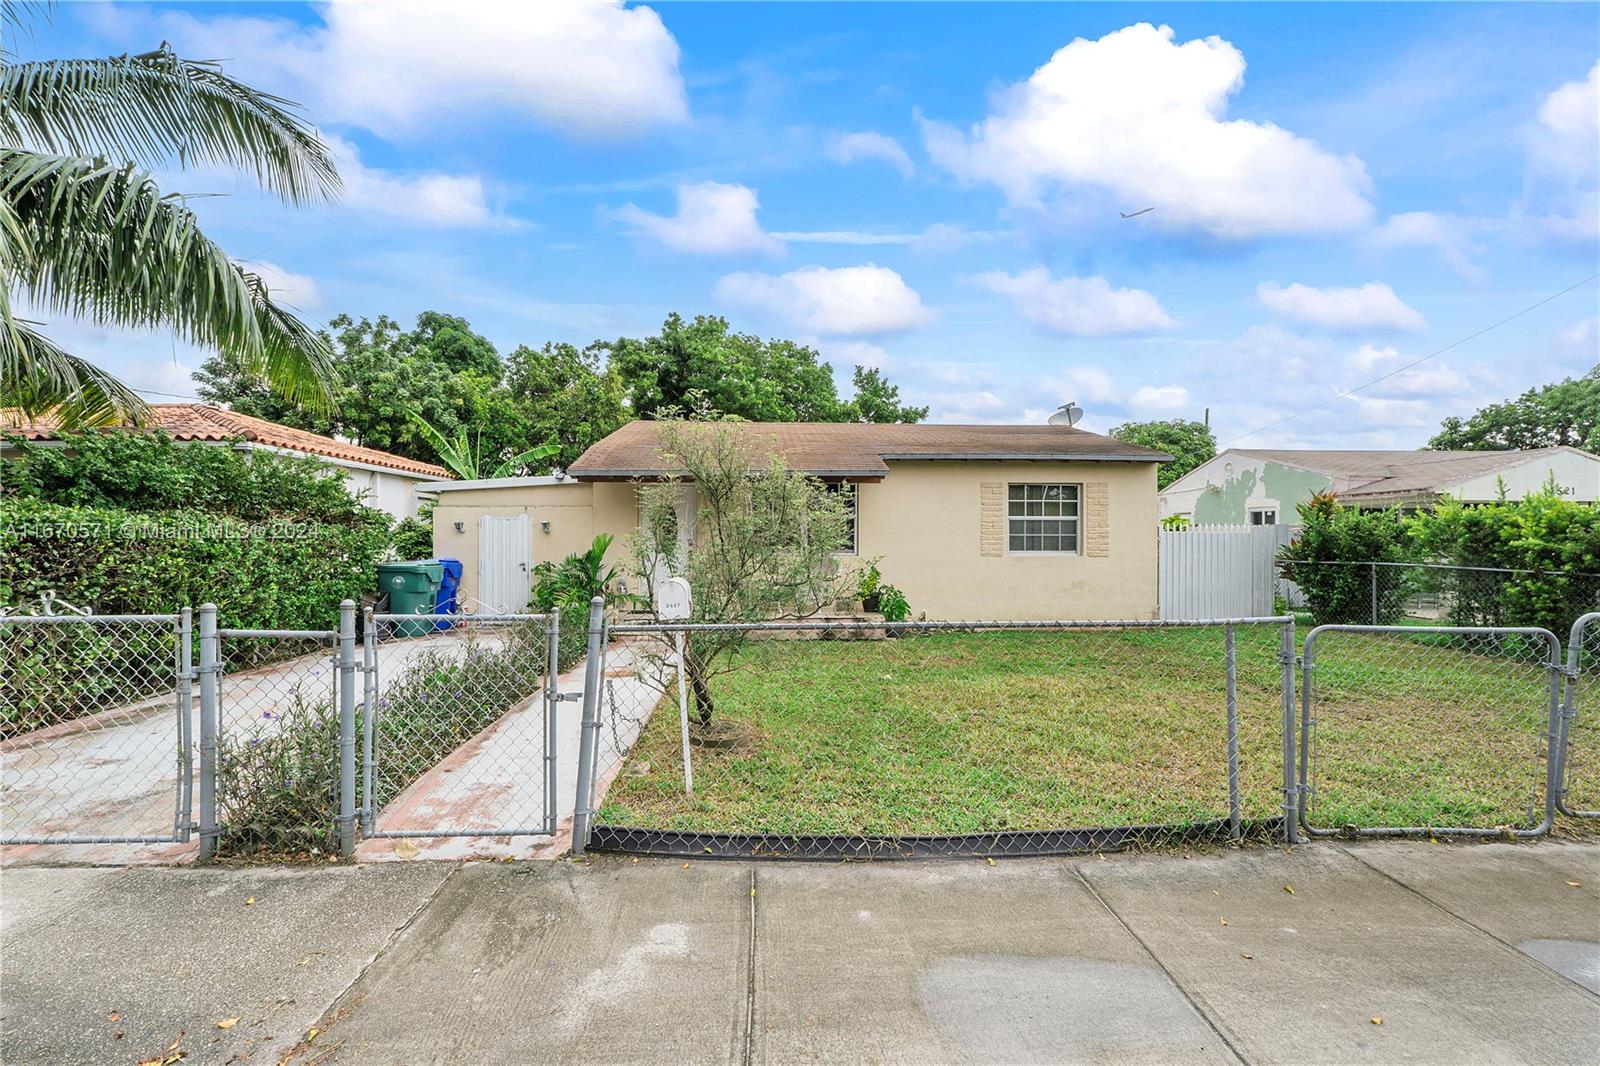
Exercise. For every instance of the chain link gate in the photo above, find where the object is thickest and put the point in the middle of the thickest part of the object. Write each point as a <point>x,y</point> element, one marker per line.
<point>96,728</point>
<point>1580,725</point>
<point>458,725</point>
<point>860,739</point>
<point>1430,731</point>
<point>277,691</point>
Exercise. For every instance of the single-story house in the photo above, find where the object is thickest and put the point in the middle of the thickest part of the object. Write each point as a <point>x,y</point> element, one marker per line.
<point>388,480</point>
<point>970,522</point>
<point>1259,486</point>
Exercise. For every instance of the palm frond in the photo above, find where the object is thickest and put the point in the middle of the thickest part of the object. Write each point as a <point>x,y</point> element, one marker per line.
<point>103,244</point>
<point>38,378</point>
<point>155,107</point>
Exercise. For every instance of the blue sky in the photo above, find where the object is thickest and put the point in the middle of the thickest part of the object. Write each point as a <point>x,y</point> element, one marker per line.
<point>936,189</point>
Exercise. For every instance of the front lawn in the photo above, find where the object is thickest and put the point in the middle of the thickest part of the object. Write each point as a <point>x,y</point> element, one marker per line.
<point>976,732</point>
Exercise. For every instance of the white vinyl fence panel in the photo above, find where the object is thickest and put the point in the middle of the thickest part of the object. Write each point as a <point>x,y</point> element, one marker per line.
<point>1219,571</point>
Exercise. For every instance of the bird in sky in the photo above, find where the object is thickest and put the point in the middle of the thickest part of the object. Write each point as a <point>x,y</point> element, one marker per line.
<point>1135,214</point>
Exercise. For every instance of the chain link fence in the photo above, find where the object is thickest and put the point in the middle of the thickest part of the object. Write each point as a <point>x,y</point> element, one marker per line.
<point>1429,731</point>
<point>861,738</point>
<point>94,728</point>
<point>277,742</point>
<point>1580,794</point>
<point>459,732</point>
<point>1413,593</point>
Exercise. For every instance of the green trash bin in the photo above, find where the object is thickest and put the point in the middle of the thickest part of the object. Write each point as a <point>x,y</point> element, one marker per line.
<point>413,588</point>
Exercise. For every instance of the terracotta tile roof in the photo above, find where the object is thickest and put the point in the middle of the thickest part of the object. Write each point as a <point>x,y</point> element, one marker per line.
<point>1377,474</point>
<point>202,422</point>
<point>849,449</point>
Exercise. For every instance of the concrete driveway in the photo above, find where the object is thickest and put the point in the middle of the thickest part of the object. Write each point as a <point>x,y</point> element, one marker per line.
<point>1331,953</point>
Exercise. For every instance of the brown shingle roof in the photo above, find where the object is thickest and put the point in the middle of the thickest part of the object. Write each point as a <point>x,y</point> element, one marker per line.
<point>1377,474</point>
<point>202,422</point>
<point>850,449</point>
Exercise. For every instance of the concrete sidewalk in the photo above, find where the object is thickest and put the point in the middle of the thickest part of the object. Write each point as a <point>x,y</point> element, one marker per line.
<point>1329,954</point>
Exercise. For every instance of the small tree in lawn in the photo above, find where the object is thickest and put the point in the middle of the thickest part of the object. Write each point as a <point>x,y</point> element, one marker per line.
<point>762,545</point>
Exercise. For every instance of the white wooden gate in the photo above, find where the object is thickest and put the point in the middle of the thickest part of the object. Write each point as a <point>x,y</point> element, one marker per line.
<point>505,563</point>
<point>1219,571</point>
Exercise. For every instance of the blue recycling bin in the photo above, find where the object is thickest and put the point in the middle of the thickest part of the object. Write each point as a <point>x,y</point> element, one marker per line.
<point>449,585</point>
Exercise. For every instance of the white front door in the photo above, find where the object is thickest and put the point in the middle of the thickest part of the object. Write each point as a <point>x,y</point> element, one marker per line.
<point>505,563</point>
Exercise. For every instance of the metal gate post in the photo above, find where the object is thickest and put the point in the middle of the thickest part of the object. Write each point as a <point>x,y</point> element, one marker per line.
<point>1372,570</point>
<point>1234,804</point>
<point>369,713</point>
<point>581,812</point>
<point>210,664</point>
<point>552,696</point>
<point>185,725</point>
<point>1291,774</point>
<point>347,728</point>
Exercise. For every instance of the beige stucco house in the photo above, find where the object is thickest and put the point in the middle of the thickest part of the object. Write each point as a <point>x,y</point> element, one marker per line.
<point>971,522</point>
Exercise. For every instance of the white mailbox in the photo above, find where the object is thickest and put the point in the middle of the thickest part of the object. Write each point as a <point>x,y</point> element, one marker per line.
<point>672,600</point>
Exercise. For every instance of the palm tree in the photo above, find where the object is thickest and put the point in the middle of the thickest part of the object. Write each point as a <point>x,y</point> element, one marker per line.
<point>463,456</point>
<point>85,230</point>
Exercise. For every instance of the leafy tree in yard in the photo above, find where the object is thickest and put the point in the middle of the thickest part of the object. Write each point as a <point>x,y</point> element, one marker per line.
<point>704,365</point>
<point>1331,549</point>
<point>440,370</point>
<point>1567,412</point>
<point>85,230</point>
<point>878,401</point>
<point>762,546</point>
<point>1189,444</point>
<point>565,396</point>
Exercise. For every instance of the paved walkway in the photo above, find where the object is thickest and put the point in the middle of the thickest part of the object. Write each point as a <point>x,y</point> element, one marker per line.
<point>1381,953</point>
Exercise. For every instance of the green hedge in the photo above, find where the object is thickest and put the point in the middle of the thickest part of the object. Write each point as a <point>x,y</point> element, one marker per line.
<point>274,574</point>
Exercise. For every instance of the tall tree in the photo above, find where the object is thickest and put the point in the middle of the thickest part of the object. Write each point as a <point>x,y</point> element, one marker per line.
<point>85,230</point>
<point>565,396</point>
<point>1189,444</point>
<point>878,401</point>
<point>704,366</point>
<point>1567,412</point>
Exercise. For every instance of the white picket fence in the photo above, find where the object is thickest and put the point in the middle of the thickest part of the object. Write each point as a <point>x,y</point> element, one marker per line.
<point>1218,571</point>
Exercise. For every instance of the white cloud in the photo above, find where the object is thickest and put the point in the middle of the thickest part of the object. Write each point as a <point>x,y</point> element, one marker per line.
<point>939,237</point>
<point>443,200</point>
<point>1583,339</point>
<point>1371,306</point>
<point>844,300</point>
<point>1452,236</point>
<point>1082,384</point>
<point>288,289</point>
<point>1084,307</point>
<point>1562,194</point>
<point>593,70</point>
<point>1159,398</point>
<point>712,219</point>
<point>850,147</point>
<point>846,355</point>
<point>1141,117</point>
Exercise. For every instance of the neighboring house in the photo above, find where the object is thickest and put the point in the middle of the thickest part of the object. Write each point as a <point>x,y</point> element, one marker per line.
<point>971,522</point>
<point>389,481</point>
<point>1264,486</point>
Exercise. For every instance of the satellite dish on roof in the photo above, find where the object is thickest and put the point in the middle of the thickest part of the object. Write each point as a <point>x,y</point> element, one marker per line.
<point>1066,415</point>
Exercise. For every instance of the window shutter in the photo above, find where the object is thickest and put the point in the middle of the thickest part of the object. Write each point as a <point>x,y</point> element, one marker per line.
<point>992,518</point>
<point>1097,519</point>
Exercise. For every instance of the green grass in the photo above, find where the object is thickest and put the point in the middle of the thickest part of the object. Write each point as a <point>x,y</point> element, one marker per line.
<point>976,732</point>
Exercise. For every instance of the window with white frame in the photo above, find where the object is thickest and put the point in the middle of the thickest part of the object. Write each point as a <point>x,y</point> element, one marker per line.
<point>1264,516</point>
<point>1042,518</point>
<point>847,492</point>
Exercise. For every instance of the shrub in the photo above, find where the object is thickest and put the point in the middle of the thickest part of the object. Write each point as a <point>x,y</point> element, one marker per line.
<point>277,785</point>
<point>413,537</point>
<point>892,604</point>
<point>1333,537</point>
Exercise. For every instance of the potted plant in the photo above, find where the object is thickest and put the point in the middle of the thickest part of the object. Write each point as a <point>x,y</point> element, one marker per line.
<point>867,586</point>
